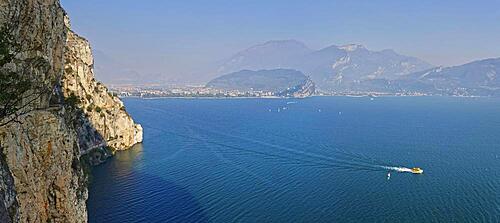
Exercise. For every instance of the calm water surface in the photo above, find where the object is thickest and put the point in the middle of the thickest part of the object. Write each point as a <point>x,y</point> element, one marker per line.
<point>321,159</point>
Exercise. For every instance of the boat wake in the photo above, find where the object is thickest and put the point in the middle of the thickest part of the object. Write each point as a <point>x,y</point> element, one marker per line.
<point>398,169</point>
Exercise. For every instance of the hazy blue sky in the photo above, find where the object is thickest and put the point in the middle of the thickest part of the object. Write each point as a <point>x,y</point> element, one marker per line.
<point>179,38</point>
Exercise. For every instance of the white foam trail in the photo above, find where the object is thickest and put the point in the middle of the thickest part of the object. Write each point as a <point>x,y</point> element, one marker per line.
<point>399,169</point>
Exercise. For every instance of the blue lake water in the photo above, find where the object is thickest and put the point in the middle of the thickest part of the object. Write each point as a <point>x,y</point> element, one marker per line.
<point>321,159</point>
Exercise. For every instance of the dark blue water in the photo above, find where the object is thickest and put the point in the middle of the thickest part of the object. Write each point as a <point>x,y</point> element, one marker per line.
<point>316,160</point>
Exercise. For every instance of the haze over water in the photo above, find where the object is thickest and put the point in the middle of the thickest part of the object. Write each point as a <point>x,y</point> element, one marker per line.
<point>319,159</point>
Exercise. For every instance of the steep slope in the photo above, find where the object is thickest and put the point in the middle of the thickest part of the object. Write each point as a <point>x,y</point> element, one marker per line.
<point>39,151</point>
<point>42,157</point>
<point>102,111</point>
<point>43,176</point>
<point>281,82</point>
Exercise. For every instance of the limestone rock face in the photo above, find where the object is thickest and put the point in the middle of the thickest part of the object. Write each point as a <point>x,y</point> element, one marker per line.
<point>43,158</point>
<point>307,89</point>
<point>102,111</point>
<point>38,28</point>
<point>43,175</point>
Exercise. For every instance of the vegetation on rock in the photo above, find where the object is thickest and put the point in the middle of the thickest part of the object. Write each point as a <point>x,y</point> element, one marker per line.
<point>13,85</point>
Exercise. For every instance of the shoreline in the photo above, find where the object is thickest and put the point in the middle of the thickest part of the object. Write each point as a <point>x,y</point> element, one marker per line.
<point>275,97</point>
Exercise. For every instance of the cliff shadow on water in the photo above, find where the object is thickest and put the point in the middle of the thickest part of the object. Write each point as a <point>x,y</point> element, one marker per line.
<point>149,198</point>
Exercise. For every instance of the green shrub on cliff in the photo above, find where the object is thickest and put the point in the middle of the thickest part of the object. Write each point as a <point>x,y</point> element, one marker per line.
<point>72,100</point>
<point>14,86</point>
<point>90,108</point>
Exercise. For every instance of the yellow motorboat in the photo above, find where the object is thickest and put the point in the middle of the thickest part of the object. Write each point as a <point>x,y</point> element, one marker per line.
<point>416,170</point>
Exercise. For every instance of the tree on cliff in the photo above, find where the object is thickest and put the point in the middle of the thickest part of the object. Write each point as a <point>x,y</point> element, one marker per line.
<point>17,90</point>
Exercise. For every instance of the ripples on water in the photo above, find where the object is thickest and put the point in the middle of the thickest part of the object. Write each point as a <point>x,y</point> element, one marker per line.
<point>320,159</point>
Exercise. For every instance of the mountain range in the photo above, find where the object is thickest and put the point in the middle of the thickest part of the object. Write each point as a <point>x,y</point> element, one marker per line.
<point>334,68</point>
<point>354,68</point>
<point>113,72</point>
<point>478,78</point>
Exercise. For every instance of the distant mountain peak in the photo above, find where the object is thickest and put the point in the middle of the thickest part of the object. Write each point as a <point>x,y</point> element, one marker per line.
<point>352,47</point>
<point>291,43</point>
<point>389,51</point>
<point>269,55</point>
<point>284,41</point>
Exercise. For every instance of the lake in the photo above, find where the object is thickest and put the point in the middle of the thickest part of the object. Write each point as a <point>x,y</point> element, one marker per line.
<point>320,159</point>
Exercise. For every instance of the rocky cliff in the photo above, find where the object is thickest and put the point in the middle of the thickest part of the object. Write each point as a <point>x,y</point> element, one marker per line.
<point>41,155</point>
<point>307,89</point>
<point>104,121</point>
<point>43,175</point>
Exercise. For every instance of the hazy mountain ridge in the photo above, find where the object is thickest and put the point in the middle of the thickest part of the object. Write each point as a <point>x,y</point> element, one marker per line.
<point>270,55</point>
<point>343,69</point>
<point>109,70</point>
<point>475,78</point>
<point>478,78</point>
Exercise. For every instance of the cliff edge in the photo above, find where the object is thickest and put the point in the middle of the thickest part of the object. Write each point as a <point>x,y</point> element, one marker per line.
<point>104,121</point>
<point>61,115</point>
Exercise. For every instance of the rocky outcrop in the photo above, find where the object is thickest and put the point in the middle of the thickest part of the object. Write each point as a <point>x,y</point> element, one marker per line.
<point>305,90</point>
<point>104,121</point>
<point>43,175</point>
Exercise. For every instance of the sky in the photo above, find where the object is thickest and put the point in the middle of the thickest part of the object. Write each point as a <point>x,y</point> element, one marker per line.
<point>179,39</point>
